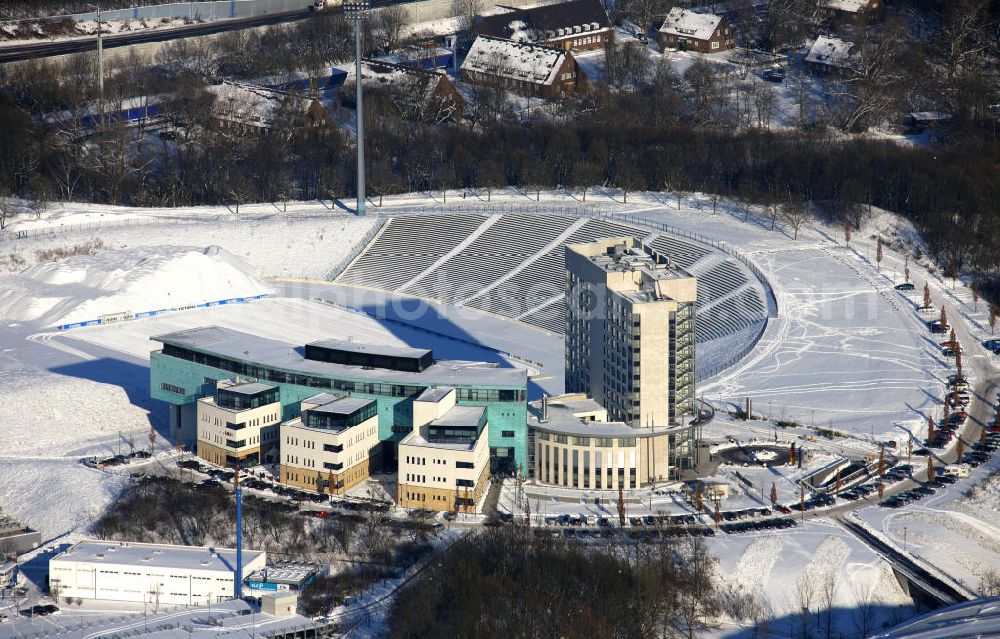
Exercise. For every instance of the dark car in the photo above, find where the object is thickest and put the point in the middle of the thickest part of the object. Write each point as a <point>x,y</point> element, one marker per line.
<point>905,286</point>
<point>774,74</point>
<point>937,327</point>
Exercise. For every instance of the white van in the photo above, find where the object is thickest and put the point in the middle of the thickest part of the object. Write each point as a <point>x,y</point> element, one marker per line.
<point>958,470</point>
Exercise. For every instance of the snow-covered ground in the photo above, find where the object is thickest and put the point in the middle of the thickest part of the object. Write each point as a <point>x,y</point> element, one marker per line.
<point>796,568</point>
<point>305,241</point>
<point>84,288</point>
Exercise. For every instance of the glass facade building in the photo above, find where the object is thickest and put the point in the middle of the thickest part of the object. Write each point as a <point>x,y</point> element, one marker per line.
<point>192,361</point>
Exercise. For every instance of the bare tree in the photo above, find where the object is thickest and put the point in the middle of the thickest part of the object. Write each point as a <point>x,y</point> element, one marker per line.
<point>7,211</point>
<point>963,32</point>
<point>627,67</point>
<point>864,605</point>
<point>795,213</point>
<point>465,12</point>
<point>697,602</point>
<point>240,191</point>
<point>805,593</point>
<point>389,22</point>
<point>764,102</point>
<point>701,79</point>
<point>828,598</point>
<point>871,79</point>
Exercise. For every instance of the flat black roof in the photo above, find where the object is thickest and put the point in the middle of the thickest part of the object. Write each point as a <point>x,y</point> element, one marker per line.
<point>347,346</point>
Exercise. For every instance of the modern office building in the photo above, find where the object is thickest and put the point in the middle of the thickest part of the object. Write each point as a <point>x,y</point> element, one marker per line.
<point>191,362</point>
<point>574,445</point>
<point>444,464</point>
<point>158,574</point>
<point>332,445</point>
<point>630,337</point>
<point>238,424</point>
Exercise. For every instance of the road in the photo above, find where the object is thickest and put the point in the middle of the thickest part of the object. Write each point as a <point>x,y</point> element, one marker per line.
<point>35,50</point>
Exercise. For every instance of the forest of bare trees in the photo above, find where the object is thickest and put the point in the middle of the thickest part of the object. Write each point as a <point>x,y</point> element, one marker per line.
<point>507,581</point>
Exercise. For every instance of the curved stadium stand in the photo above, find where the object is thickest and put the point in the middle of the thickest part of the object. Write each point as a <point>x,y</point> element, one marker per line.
<point>512,265</point>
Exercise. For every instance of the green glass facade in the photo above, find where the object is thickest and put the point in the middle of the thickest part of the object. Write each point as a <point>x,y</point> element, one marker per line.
<point>180,377</point>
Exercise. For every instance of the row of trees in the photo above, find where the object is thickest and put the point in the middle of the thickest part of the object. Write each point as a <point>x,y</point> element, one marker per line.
<point>948,192</point>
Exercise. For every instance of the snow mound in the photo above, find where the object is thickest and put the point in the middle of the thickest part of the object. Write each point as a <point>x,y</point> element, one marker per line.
<point>150,278</point>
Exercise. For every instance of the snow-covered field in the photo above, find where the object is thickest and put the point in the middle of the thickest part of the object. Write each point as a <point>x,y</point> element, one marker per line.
<point>84,288</point>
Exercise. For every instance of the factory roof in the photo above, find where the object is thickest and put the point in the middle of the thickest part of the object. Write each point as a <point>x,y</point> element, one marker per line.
<point>252,349</point>
<point>156,555</point>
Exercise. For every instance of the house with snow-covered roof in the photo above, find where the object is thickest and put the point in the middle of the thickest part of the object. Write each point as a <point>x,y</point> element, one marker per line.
<point>688,30</point>
<point>577,25</point>
<point>829,55</point>
<point>249,109</point>
<point>414,93</point>
<point>871,10</point>
<point>529,69</point>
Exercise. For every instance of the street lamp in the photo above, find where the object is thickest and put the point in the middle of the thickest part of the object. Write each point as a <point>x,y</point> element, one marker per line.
<point>359,10</point>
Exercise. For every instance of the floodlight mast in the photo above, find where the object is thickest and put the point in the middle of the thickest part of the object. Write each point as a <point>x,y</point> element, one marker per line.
<point>358,11</point>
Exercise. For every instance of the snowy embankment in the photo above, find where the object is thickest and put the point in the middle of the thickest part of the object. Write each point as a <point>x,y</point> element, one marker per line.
<point>82,288</point>
<point>304,239</point>
<point>58,28</point>
<point>812,567</point>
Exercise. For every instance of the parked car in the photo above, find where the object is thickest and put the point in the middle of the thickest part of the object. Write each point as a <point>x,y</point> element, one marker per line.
<point>905,286</point>
<point>958,399</point>
<point>937,327</point>
<point>774,74</point>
